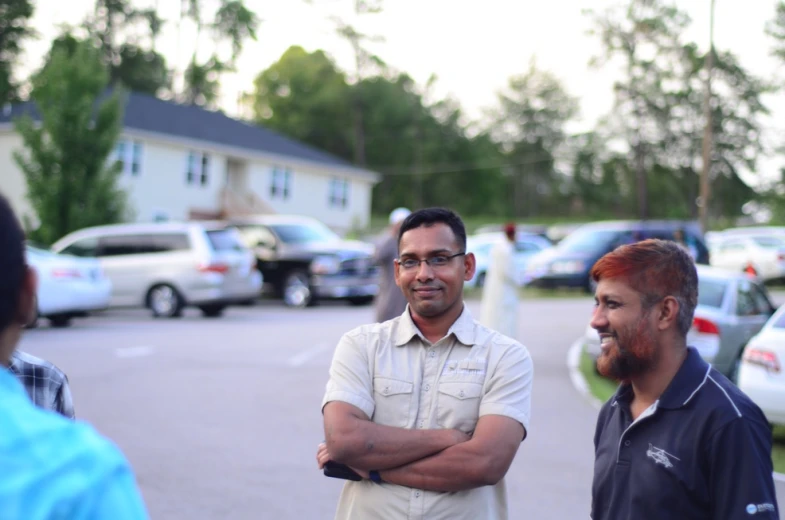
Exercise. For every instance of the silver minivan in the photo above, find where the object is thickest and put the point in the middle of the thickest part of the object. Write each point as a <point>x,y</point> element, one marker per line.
<point>167,266</point>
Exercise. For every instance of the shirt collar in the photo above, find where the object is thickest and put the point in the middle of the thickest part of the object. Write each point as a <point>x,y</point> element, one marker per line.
<point>463,328</point>
<point>15,364</point>
<point>685,384</point>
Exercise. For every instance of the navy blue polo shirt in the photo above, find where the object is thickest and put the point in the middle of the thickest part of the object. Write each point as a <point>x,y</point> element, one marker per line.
<point>702,451</point>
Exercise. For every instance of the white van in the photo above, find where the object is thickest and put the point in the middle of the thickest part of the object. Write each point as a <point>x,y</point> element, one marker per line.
<point>167,266</point>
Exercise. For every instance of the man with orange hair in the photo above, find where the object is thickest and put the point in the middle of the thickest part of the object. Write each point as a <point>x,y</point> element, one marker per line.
<point>678,439</point>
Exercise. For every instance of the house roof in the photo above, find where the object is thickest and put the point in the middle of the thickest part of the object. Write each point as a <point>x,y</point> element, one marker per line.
<point>150,114</point>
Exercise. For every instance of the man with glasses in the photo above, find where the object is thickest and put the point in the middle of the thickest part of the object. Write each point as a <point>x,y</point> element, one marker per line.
<point>429,408</point>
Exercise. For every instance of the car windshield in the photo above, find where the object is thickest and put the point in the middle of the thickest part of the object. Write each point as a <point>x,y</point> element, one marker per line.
<point>304,233</point>
<point>588,241</point>
<point>225,240</point>
<point>769,242</point>
<point>711,292</point>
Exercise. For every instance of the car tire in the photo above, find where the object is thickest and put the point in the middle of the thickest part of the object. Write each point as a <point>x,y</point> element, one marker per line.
<point>297,291</point>
<point>164,301</point>
<point>60,321</point>
<point>361,300</point>
<point>480,282</point>
<point>212,311</point>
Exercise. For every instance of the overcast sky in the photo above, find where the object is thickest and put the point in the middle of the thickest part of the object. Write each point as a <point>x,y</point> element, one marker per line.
<point>473,47</point>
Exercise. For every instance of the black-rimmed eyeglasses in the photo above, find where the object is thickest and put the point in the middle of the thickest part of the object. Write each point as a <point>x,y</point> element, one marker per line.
<point>434,262</point>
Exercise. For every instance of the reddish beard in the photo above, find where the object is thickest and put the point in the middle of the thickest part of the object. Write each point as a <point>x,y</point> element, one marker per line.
<point>633,352</point>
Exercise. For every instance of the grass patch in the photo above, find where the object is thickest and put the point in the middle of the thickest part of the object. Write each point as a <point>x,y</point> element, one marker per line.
<point>603,389</point>
<point>600,387</point>
<point>778,450</point>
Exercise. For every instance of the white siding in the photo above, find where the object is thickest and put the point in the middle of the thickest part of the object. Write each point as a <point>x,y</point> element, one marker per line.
<point>161,187</point>
<point>310,195</point>
<point>12,182</point>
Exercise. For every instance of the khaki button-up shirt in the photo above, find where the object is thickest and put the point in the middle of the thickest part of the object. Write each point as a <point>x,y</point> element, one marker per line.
<point>398,378</point>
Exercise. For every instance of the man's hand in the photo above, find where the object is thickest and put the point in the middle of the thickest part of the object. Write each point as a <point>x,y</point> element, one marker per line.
<point>323,457</point>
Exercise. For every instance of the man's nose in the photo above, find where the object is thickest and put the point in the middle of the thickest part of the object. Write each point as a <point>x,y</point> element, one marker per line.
<point>424,272</point>
<point>598,319</point>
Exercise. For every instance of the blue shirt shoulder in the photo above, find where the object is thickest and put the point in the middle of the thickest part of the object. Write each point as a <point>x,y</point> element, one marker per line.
<point>57,468</point>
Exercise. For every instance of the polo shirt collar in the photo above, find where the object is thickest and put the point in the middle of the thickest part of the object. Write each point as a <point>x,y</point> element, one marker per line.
<point>463,328</point>
<point>685,384</point>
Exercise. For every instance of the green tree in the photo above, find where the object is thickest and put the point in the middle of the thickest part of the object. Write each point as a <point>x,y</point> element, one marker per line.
<point>529,126</point>
<point>134,63</point>
<point>15,16</point>
<point>71,183</point>
<point>232,23</point>
<point>305,96</point>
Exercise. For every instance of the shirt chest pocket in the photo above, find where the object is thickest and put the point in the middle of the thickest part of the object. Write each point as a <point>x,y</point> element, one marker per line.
<point>393,399</point>
<point>458,405</point>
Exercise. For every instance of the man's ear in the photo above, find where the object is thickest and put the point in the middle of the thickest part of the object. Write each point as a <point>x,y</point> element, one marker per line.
<point>27,308</point>
<point>469,265</point>
<point>668,312</point>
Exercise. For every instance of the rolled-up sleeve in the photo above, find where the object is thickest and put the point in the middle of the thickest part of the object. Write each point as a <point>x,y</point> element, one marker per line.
<point>350,377</point>
<point>508,390</point>
<point>741,481</point>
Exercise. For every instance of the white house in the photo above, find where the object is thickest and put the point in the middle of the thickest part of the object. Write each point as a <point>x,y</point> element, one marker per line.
<point>182,162</point>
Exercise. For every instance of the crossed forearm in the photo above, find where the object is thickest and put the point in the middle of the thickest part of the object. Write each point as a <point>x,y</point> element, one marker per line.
<point>370,446</point>
<point>457,468</point>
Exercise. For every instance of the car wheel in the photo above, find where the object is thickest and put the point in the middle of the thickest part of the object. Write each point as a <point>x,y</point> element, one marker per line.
<point>212,311</point>
<point>60,321</point>
<point>165,302</point>
<point>297,290</point>
<point>480,280</point>
<point>361,300</point>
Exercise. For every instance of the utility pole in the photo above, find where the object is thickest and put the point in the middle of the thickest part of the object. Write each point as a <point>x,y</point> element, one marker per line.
<point>705,186</point>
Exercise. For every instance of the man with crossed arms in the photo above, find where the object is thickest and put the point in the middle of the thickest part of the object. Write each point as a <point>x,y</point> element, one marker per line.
<point>430,407</point>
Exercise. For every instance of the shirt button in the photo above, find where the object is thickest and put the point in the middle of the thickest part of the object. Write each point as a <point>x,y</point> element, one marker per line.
<point>417,494</point>
<point>460,393</point>
<point>386,389</point>
<point>433,353</point>
<point>427,387</point>
<point>627,443</point>
<point>422,423</point>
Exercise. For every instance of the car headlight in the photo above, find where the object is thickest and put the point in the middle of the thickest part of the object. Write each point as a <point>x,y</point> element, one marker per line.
<point>568,267</point>
<point>325,265</point>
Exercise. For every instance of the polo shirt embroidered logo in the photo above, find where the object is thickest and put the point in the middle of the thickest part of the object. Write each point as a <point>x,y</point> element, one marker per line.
<point>660,456</point>
<point>753,509</point>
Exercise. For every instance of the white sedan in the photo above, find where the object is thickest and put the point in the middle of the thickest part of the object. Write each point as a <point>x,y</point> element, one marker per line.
<point>68,286</point>
<point>762,373</point>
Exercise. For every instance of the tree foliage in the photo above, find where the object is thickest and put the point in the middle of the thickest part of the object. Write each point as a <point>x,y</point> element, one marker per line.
<point>71,183</point>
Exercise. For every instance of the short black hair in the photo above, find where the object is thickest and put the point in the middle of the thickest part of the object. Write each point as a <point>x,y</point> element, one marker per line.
<point>12,263</point>
<point>429,216</point>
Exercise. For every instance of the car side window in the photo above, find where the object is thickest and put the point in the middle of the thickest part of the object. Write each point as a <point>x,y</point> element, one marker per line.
<point>761,300</point>
<point>119,245</point>
<point>526,247</point>
<point>745,301</point>
<point>85,247</point>
<point>732,245</point>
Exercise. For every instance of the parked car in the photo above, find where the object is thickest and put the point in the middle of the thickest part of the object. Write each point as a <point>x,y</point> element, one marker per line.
<point>168,266</point>
<point>759,254</point>
<point>762,373</point>
<point>732,308</point>
<point>303,260</point>
<point>526,246</point>
<point>68,286</point>
<point>569,262</point>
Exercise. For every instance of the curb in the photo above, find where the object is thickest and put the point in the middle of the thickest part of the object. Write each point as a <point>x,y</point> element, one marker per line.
<point>578,381</point>
<point>580,385</point>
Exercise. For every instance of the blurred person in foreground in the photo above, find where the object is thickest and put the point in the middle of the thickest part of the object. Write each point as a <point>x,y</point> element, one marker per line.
<point>51,467</point>
<point>46,384</point>
<point>429,408</point>
<point>390,302</point>
<point>678,439</point>
<point>499,304</point>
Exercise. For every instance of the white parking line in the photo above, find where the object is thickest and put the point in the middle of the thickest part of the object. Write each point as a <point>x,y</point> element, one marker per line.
<point>306,355</point>
<point>132,352</point>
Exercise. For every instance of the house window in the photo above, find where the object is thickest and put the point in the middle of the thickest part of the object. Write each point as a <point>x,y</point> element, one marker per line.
<point>129,155</point>
<point>339,193</point>
<point>281,185</point>
<point>198,169</point>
